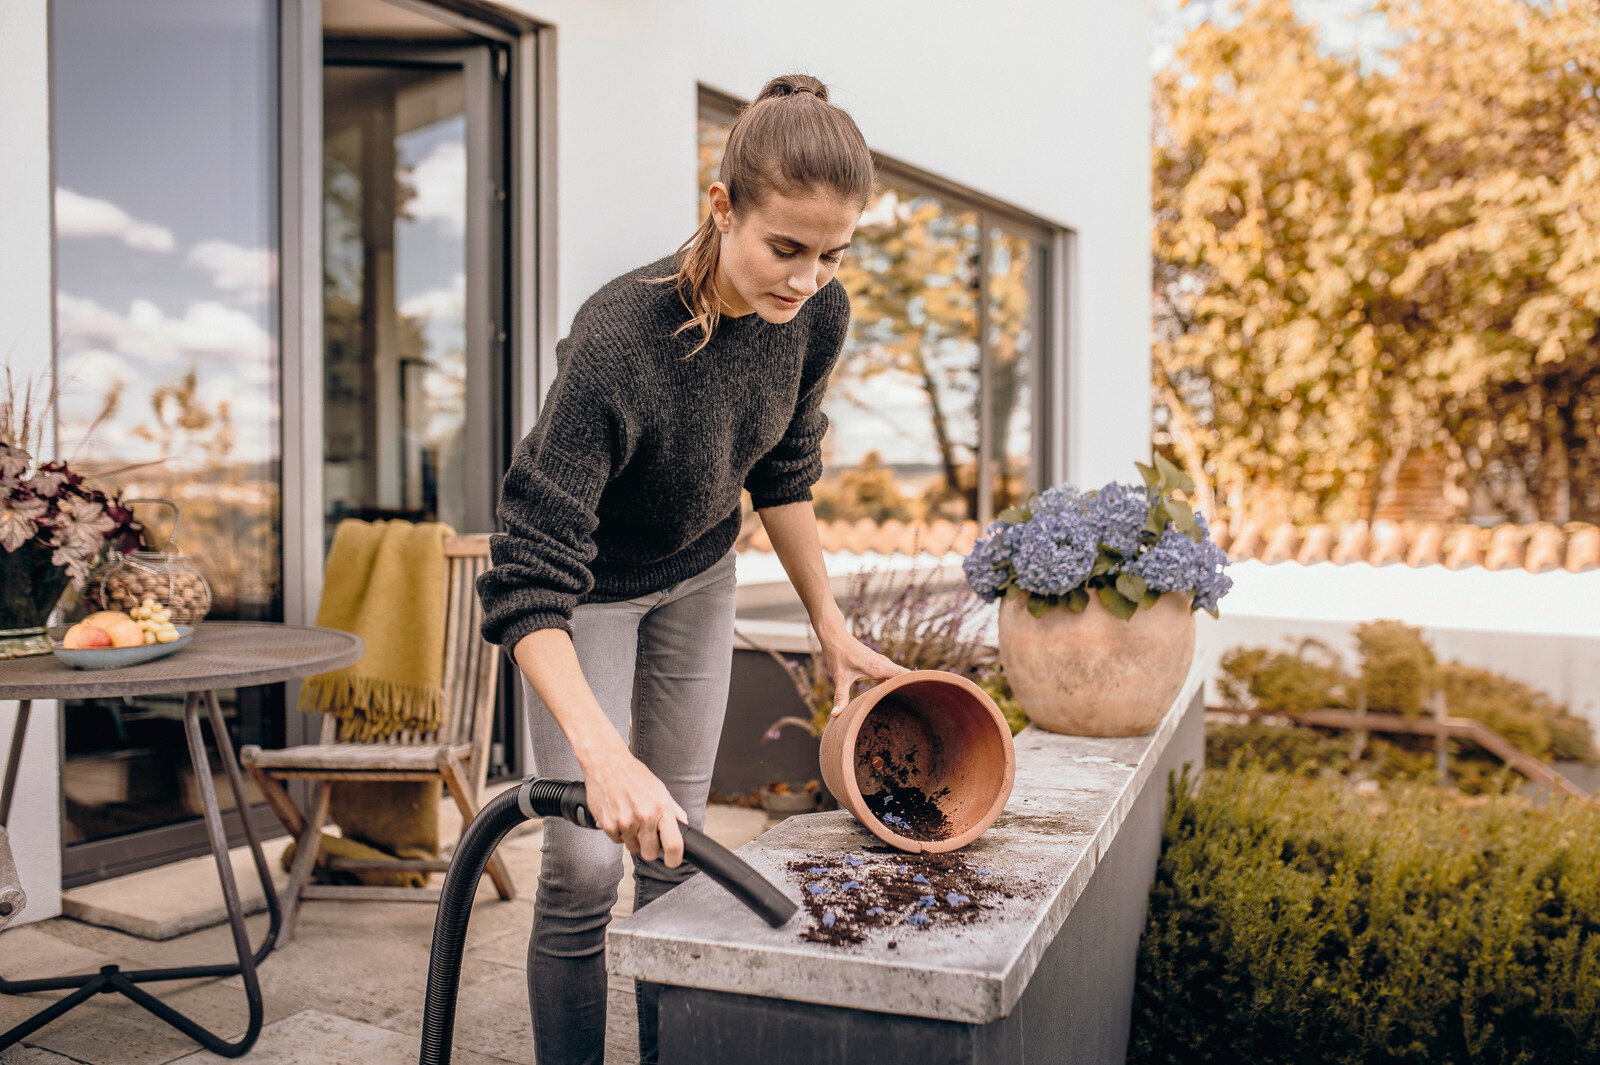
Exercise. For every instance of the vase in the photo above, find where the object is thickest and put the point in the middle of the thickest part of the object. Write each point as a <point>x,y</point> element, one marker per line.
<point>30,585</point>
<point>923,760</point>
<point>1094,674</point>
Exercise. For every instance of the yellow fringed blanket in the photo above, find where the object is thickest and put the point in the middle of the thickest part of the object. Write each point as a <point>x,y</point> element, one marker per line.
<point>384,582</point>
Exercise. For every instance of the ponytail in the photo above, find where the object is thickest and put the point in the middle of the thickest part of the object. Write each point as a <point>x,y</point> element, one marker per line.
<point>789,140</point>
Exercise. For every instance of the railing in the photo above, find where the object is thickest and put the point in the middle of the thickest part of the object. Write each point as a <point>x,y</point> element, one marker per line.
<point>1440,726</point>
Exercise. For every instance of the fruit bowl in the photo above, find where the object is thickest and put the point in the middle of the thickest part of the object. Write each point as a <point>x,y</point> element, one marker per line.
<point>116,657</point>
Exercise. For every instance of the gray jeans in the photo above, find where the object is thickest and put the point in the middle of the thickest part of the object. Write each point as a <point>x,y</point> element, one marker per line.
<point>659,666</point>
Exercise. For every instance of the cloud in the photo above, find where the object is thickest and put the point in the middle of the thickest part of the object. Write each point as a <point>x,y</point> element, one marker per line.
<point>206,330</point>
<point>440,183</point>
<point>86,217</point>
<point>446,302</point>
<point>247,272</point>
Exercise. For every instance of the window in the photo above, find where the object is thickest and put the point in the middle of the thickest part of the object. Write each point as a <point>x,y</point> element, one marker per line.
<point>936,408</point>
<point>167,304</point>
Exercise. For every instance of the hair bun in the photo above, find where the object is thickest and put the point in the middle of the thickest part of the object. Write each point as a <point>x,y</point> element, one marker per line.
<point>793,85</point>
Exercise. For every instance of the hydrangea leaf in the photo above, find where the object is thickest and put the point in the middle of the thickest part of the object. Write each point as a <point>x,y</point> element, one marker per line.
<point>1012,515</point>
<point>1131,585</point>
<point>1038,604</point>
<point>1183,517</point>
<point>1119,604</point>
<point>1077,600</point>
<point>1173,478</point>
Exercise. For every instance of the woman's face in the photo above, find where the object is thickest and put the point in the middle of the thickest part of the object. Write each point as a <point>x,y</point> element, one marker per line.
<point>776,256</point>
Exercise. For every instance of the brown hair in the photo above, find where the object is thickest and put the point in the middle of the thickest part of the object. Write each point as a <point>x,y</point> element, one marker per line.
<point>790,140</point>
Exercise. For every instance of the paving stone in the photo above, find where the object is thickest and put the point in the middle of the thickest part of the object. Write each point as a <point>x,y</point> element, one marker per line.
<point>26,1055</point>
<point>312,1037</point>
<point>492,1018</point>
<point>175,899</point>
<point>111,1030</point>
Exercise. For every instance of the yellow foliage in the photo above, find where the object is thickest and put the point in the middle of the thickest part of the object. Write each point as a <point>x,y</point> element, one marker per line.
<point>1356,262</point>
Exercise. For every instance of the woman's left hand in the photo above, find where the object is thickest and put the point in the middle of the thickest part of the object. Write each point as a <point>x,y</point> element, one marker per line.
<point>849,660</point>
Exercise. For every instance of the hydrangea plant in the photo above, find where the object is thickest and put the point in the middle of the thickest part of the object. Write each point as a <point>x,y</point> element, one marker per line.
<point>1127,544</point>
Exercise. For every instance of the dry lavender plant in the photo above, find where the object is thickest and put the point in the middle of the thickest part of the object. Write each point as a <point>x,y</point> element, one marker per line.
<point>911,617</point>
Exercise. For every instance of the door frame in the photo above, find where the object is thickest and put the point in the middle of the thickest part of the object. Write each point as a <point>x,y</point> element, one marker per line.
<point>525,301</point>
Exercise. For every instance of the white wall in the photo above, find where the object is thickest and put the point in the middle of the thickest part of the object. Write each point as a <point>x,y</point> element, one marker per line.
<point>1044,104</point>
<point>25,344</point>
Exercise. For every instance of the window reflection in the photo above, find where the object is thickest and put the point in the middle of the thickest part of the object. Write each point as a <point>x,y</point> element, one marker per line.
<point>395,292</point>
<point>1015,292</point>
<point>165,134</point>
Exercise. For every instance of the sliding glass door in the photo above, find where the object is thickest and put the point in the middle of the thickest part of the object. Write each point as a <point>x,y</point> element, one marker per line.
<point>413,242</point>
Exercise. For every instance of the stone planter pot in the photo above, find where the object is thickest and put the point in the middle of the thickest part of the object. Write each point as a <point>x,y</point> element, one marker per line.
<point>923,760</point>
<point>1093,674</point>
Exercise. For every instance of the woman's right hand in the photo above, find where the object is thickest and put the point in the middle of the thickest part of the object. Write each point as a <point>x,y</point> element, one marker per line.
<point>631,805</point>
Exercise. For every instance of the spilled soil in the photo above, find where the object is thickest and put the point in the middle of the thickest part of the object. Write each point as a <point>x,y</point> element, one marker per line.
<point>848,896</point>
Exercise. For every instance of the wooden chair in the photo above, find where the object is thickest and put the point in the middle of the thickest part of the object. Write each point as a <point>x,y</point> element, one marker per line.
<point>458,754</point>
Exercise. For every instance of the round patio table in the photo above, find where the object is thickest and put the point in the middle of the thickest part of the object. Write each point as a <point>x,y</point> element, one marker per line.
<point>222,654</point>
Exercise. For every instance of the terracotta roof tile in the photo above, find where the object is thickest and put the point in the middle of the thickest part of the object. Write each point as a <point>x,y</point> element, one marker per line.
<point>1540,548</point>
<point>1427,546</point>
<point>1282,545</point>
<point>1318,546</point>
<point>1353,543</point>
<point>1583,547</point>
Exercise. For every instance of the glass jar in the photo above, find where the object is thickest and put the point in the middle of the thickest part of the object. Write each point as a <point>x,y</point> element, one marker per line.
<point>124,581</point>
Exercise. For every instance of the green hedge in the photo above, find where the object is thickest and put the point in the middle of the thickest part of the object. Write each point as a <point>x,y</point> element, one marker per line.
<point>1295,921</point>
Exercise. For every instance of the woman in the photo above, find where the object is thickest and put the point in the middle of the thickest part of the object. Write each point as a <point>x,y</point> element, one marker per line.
<point>680,383</point>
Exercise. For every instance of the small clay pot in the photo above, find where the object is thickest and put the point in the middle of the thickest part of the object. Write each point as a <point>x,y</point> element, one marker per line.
<point>784,803</point>
<point>924,760</point>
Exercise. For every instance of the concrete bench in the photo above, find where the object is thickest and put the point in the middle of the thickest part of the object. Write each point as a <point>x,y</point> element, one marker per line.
<point>1044,976</point>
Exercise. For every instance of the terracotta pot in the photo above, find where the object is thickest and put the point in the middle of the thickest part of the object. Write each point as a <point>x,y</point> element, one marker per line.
<point>1093,674</point>
<point>924,760</point>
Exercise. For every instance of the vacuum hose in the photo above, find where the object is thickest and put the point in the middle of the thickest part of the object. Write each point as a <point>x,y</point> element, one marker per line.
<point>547,798</point>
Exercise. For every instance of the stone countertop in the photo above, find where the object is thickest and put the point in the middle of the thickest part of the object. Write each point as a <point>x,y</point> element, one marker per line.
<point>1069,800</point>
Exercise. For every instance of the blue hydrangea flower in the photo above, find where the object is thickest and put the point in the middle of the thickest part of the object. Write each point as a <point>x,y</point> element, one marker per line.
<point>874,911</point>
<point>919,918</point>
<point>1211,582</point>
<point>1118,513</point>
<point>1055,550</point>
<point>1171,565</point>
<point>988,563</point>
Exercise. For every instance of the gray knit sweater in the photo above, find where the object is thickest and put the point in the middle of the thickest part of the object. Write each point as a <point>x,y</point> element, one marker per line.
<point>629,481</point>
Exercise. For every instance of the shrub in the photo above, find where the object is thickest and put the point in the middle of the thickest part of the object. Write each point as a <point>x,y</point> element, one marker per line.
<point>1294,921</point>
<point>1397,667</point>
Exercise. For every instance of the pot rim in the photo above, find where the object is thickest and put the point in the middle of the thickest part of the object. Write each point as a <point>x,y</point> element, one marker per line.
<point>870,698</point>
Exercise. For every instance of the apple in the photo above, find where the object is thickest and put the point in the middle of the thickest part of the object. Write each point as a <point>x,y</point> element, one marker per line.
<point>125,633</point>
<point>84,635</point>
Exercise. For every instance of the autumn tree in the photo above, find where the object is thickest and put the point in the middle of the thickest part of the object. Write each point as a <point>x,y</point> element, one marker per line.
<point>1358,260</point>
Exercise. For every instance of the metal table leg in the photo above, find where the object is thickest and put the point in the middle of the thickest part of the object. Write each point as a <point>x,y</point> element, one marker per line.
<point>14,761</point>
<point>111,978</point>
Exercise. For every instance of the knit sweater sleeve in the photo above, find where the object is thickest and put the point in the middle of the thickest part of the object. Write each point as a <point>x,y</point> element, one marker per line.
<point>786,473</point>
<point>540,564</point>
